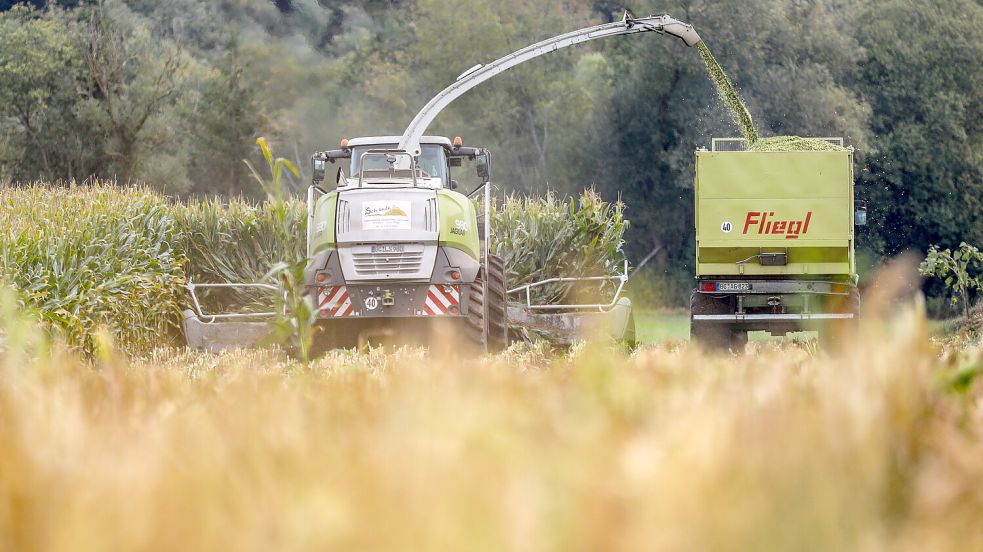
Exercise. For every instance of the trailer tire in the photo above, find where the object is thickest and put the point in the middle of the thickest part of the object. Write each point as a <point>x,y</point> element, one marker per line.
<point>714,336</point>
<point>738,340</point>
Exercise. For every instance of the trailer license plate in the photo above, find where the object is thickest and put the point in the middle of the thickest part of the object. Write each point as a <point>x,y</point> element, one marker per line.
<point>733,286</point>
<point>388,248</point>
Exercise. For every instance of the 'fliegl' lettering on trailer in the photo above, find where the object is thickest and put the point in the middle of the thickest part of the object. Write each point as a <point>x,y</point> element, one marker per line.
<point>766,224</point>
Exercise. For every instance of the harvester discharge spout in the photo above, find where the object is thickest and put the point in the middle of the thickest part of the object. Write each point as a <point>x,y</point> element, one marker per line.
<point>661,24</point>
<point>666,25</point>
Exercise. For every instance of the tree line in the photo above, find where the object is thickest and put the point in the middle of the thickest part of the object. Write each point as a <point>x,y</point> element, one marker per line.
<point>174,94</point>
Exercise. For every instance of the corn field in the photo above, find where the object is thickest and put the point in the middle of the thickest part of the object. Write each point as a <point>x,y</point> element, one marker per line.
<point>100,256</point>
<point>549,237</point>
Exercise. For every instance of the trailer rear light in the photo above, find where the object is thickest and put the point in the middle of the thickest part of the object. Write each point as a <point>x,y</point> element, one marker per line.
<point>455,275</point>
<point>708,286</point>
<point>838,288</point>
<point>455,310</point>
<point>325,313</point>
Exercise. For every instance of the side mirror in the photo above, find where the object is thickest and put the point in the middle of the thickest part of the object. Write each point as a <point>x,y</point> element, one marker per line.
<point>483,167</point>
<point>454,184</point>
<point>318,163</point>
<point>860,214</point>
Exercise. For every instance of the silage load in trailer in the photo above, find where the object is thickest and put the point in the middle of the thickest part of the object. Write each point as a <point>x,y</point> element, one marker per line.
<point>742,115</point>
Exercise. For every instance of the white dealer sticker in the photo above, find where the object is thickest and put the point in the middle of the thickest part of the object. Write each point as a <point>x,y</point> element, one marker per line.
<point>386,215</point>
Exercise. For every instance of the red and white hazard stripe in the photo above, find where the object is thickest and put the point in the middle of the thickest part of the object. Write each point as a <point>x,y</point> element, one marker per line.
<point>442,300</point>
<point>334,302</point>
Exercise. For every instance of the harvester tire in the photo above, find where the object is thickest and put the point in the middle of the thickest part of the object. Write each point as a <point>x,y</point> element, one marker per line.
<point>498,306</point>
<point>493,308</point>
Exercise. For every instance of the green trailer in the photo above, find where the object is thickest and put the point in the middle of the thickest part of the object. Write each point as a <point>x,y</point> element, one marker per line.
<point>774,243</point>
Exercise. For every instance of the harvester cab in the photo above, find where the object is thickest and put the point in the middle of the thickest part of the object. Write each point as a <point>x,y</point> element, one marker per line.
<point>393,244</point>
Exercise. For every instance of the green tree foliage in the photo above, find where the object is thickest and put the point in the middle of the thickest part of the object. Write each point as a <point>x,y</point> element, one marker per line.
<point>961,271</point>
<point>923,76</point>
<point>137,78</point>
<point>40,72</point>
<point>226,119</point>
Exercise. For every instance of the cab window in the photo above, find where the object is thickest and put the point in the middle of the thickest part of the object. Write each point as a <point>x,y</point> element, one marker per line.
<point>432,160</point>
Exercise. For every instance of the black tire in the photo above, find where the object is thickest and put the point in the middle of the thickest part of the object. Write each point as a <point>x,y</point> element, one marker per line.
<point>498,315</point>
<point>715,336</point>
<point>738,340</point>
<point>494,308</point>
<point>333,334</point>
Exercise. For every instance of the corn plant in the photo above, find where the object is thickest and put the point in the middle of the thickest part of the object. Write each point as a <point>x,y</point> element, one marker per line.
<point>238,241</point>
<point>547,237</point>
<point>295,326</point>
<point>272,187</point>
<point>85,257</point>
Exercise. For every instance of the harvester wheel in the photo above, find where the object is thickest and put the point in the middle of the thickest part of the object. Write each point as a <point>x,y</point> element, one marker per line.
<point>493,308</point>
<point>498,317</point>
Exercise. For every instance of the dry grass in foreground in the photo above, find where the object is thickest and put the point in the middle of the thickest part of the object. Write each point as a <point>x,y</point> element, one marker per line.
<point>669,449</point>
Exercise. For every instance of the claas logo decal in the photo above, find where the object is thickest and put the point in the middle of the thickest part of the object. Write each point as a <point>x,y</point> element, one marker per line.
<point>765,223</point>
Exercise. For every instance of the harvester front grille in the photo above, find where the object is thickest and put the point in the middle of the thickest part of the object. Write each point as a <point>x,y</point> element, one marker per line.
<point>406,262</point>
<point>430,215</point>
<point>344,217</point>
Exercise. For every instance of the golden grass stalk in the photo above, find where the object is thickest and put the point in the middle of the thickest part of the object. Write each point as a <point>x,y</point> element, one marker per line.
<point>668,449</point>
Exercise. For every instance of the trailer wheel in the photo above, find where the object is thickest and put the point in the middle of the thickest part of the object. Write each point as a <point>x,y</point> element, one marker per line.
<point>738,340</point>
<point>494,307</point>
<point>715,336</point>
